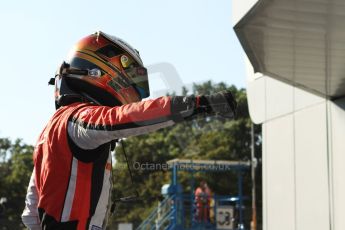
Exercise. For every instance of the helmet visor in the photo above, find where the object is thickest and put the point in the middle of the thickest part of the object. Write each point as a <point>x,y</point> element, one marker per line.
<point>137,74</point>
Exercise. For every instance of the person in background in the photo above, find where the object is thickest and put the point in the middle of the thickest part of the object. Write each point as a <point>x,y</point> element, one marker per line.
<point>202,201</point>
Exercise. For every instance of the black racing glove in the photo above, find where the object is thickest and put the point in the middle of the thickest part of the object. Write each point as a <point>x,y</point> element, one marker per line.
<point>185,108</point>
<point>222,104</point>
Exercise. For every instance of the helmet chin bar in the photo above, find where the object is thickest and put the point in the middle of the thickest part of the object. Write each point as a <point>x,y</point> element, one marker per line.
<point>70,96</point>
<point>90,99</point>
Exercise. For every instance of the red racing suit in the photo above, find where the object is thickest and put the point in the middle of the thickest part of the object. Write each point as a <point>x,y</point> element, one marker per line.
<point>70,186</point>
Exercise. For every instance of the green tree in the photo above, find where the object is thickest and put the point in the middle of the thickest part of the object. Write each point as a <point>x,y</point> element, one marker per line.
<point>15,171</point>
<point>204,138</point>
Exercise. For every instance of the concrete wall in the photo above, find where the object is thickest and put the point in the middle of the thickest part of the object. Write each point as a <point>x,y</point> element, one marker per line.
<point>295,159</point>
<point>337,155</point>
<point>303,159</point>
<point>303,151</point>
<point>303,155</point>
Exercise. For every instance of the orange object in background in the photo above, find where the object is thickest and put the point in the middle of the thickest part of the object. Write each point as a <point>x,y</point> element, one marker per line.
<point>203,200</point>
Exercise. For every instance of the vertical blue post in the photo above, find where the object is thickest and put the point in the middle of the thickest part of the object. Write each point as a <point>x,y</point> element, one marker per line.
<point>192,198</point>
<point>215,210</point>
<point>240,197</point>
<point>174,179</point>
<point>176,196</point>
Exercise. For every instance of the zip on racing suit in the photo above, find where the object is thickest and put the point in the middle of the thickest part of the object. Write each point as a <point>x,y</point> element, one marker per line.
<point>70,186</point>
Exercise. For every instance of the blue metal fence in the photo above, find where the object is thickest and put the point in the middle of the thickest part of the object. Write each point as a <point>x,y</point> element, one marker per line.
<point>180,212</point>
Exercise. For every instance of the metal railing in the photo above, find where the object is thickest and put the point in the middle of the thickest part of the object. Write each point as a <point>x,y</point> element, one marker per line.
<point>161,217</point>
<point>181,212</point>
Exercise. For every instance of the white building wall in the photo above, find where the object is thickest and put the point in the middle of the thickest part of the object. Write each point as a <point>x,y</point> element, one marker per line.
<point>278,190</point>
<point>295,161</point>
<point>303,151</point>
<point>303,160</point>
<point>311,168</point>
<point>337,146</point>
